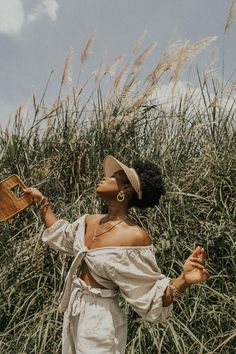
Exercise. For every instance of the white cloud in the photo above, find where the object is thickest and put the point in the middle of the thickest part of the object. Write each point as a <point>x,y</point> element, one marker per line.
<point>49,7</point>
<point>171,95</point>
<point>12,16</point>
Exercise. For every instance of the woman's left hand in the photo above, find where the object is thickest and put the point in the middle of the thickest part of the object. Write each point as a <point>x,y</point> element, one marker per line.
<point>194,267</point>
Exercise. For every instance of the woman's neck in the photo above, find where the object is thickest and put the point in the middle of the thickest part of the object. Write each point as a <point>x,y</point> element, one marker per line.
<point>117,211</point>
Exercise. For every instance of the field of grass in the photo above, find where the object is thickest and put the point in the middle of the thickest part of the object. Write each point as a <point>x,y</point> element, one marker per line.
<point>59,150</point>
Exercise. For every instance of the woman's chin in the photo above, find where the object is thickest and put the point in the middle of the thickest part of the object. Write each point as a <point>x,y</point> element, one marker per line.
<point>99,192</point>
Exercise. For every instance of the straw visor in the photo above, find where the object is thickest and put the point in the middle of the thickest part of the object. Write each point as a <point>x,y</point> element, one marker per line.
<point>112,165</point>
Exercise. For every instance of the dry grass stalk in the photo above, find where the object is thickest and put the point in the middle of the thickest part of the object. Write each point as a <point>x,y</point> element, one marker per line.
<point>128,89</point>
<point>100,72</point>
<point>50,121</point>
<point>211,65</point>
<point>140,59</point>
<point>157,73</point>
<point>142,98</point>
<point>176,56</point>
<point>139,41</point>
<point>215,102</point>
<point>57,104</point>
<point>87,48</point>
<point>18,115</point>
<point>124,120</point>
<point>110,70</point>
<point>180,53</point>
<point>119,77</point>
<point>231,87</point>
<point>231,15</point>
<point>34,101</point>
<point>81,89</point>
<point>230,335</point>
<point>50,118</point>
<point>66,75</point>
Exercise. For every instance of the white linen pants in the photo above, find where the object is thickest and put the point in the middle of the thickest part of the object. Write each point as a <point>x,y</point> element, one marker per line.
<point>93,322</point>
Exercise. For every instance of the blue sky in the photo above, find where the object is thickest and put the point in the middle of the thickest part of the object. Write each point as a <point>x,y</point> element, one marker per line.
<point>36,35</point>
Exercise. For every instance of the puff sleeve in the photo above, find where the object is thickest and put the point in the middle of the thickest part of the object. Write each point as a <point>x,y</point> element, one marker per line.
<point>140,281</point>
<point>60,236</point>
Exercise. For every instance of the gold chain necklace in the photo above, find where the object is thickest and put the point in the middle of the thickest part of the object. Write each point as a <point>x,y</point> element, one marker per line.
<point>112,227</point>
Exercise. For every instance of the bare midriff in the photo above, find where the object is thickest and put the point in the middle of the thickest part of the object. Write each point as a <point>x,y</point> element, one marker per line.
<point>86,276</point>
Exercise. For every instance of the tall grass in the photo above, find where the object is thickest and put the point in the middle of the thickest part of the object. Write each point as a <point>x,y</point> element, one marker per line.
<point>60,150</point>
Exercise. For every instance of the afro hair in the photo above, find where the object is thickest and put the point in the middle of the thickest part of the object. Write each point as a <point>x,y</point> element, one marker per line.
<point>152,184</point>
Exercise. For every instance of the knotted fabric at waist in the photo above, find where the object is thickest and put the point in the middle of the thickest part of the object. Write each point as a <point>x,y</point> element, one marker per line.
<point>71,279</point>
<point>80,286</point>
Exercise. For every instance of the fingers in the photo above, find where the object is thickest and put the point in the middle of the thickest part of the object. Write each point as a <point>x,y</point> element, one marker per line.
<point>29,190</point>
<point>196,259</point>
<point>203,271</point>
<point>35,194</point>
<point>197,265</point>
<point>203,254</point>
<point>196,252</point>
<point>199,252</point>
<point>206,274</point>
<point>26,190</point>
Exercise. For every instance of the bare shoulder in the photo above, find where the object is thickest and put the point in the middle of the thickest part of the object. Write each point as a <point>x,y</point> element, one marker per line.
<point>94,216</point>
<point>90,219</point>
<point>140,237</point>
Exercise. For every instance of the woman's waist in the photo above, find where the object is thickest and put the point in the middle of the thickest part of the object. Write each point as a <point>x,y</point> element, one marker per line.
<point>85,288</point>
<point>85,275</point>
<point>93,279</point>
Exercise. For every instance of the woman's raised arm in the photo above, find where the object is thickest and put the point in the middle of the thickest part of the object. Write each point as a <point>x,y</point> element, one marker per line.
<point>49,217</point>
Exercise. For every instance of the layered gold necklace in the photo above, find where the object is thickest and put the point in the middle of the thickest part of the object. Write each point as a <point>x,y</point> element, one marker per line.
<point>95,235</point>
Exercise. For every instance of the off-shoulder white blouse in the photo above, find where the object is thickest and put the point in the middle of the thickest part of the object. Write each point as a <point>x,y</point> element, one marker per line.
<point>130,269</point>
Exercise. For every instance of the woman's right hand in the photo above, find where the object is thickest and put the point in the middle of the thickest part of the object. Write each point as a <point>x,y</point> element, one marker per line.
<point>195,268</point>
<point>34,193</point>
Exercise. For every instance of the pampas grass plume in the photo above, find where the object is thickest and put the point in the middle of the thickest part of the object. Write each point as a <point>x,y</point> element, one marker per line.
<point>176,56</point>
<point>231,15</point>
<point>87,48</point>
<point>140,59</point>
<point>100,72</point>
<point>112,68</point>
<point>139,41</point>
<point>66,75</point>
<point>120,76</point>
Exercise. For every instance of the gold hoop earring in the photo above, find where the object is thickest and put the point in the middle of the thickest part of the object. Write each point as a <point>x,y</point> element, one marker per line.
<point>120,196</point>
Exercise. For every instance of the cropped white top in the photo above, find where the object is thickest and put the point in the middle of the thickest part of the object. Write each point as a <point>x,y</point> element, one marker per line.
<point>130,269</point>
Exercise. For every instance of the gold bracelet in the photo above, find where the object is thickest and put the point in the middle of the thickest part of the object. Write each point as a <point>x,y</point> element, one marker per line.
<point>43,205</point>
<point>175,293</point>
<point>42,200</point>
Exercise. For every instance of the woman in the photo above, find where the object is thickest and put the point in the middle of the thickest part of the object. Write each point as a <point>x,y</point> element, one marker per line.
<point>112,254</point>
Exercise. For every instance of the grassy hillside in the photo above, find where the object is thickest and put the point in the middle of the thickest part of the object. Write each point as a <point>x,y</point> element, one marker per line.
<point>59,150</point>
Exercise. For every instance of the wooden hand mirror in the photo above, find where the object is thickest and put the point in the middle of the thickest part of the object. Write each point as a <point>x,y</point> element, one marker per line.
<point>11,199</point>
